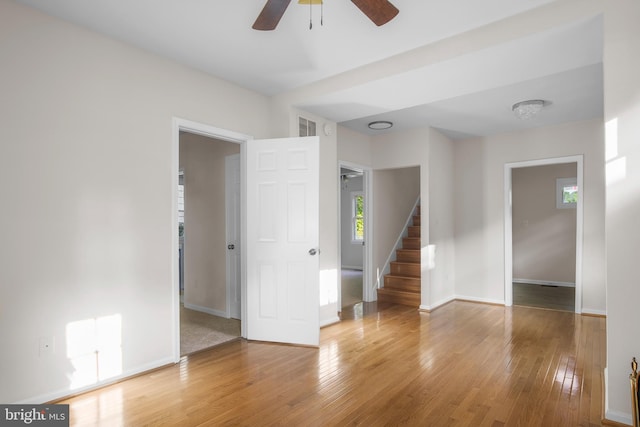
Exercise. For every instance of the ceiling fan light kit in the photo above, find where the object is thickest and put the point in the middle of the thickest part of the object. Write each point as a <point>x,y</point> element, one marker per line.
<point>378,11</point>
<point>525,110</point>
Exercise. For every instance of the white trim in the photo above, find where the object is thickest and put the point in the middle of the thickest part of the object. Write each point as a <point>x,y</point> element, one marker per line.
<point>330,321</point>
<point>619,417</point>
<point>229,191</point>
<point>480,300</point>
<point>544,282</point>
<point>594,312</point>
<point>437,304</point>
<point>207,310</point>
<point>179,124</point>
<point>352,267</point>
<point>508,220</point>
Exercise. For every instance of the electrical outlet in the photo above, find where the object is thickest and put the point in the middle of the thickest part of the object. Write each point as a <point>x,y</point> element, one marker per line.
<point>47,346</point>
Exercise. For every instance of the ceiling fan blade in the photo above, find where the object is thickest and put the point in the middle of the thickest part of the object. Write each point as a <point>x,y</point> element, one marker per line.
<point>379,11</point>
<point>270,15</point>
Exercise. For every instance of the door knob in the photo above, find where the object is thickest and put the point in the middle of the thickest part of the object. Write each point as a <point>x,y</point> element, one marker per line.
<point>312,251</point>
<point>231,247</point>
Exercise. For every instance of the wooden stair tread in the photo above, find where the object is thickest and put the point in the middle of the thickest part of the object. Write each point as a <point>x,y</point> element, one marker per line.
<point>399,297</point>
<point>403,284</point>
<point>403,277</point>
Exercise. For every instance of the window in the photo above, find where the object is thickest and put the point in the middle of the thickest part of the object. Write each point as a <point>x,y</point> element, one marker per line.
<point>181,203</point>
<point>566,193</point>
<point>357,217</point>
<point>307,127</point>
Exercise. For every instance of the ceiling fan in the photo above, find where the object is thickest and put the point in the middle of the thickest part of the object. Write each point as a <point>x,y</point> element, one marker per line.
<point>379,11</point>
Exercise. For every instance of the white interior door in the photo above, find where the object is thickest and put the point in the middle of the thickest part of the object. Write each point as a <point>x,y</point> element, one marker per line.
<point>233,220</point>
<point>282,254</point>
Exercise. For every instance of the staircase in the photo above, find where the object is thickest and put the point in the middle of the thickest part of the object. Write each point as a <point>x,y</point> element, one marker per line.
<point>402,284</point>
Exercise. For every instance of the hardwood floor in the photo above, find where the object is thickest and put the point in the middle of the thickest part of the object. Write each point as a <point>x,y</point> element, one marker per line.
<point>351,287</point>
<point>464,364</point>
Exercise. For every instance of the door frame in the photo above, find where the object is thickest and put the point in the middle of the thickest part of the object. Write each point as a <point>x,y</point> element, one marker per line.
<point>508,223</point>
<point>368,286</point>
<point>230,222</point>
<point>179,124</point>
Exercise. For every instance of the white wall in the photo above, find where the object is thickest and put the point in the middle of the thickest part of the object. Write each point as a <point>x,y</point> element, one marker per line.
<point>479,205</point>
<point>354,147</point>
<point>205,249</point>
<point>86,131</point>
<point>440,218</point>
<point>544,236</point>
<point>622,116</point>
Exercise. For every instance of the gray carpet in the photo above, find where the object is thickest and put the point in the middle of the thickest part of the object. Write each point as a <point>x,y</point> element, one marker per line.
<point>552,297</point>
<point>199,330</point>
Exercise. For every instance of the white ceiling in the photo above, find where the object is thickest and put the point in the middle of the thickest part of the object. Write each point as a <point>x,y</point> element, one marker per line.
<point>464,96</point>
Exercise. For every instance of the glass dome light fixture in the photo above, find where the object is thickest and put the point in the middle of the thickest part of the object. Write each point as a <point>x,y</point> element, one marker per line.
<point>527,109</point>
<point>380,125</point>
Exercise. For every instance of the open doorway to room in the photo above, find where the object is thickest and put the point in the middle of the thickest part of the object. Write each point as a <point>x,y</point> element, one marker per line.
<point>352,235</point>
<point>355,231</point>
<point>206,310</point>
<point>545,235</point>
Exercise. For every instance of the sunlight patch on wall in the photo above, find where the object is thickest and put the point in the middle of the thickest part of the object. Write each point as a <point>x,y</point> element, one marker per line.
<point>428,256</point>
<point>328,287</point>
<point>611,139</point>
<point>616,168</point>
<point>94,348</point>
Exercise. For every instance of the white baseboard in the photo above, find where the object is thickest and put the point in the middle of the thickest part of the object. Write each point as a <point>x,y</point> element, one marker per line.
<point>594,312</point>
<point>207,310</point>
<point>351,267</point>
<point>437,304</point>
<point>59,394</point>
<point>544,282</point>
<point>478,299</point>
<point>331,321</point>
<point>619,417</point>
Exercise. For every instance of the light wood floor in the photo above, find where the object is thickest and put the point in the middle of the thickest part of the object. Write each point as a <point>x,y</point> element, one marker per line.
<point>351,285</point>
<point>464,364</point>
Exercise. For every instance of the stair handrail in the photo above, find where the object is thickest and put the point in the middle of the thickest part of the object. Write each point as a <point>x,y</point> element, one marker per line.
<point>387,265</point>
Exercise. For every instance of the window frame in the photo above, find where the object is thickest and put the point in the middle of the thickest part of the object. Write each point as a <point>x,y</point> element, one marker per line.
<point>561,184</point>
<point>354,217</point>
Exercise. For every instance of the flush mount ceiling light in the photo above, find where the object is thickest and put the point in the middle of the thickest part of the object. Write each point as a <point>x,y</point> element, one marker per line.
<point>380,125</point>
<point>527,109</point>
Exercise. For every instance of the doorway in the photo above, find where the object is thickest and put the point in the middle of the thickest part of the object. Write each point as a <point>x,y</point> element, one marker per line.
<point>203,310</point>
<point>544,236</point>
<point>543,233</point>
<point>354,226</point>
<point>205,319</point>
